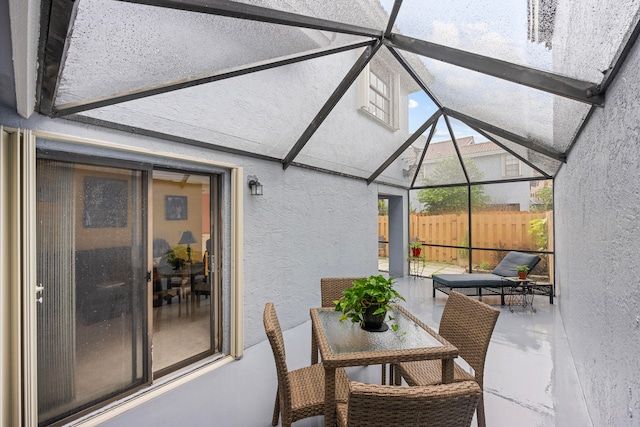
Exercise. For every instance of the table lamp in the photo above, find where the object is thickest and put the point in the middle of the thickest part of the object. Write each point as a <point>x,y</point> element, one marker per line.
<point>187,239</point>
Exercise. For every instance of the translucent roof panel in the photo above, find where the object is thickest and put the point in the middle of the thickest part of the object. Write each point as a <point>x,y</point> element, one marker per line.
<point>523,32</point>
<point>402,170</point>
<point>118,46</point>
<point>483,159</point>
<point>441,164</point>
<point>368,124</point>
<point>259,112</point>
<point>518,109</point>
<point>363,13</point>
<point>544,163</point>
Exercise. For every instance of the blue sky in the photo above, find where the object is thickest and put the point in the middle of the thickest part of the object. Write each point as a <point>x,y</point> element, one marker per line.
<point>421,108</point>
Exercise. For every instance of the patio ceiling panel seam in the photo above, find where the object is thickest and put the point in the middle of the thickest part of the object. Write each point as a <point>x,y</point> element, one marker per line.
<point>430,121</point>
<point>525,142</point>
<point>77,107</point>
<point>567,87</point>
<point>258,13</point>
<point>335,97</point>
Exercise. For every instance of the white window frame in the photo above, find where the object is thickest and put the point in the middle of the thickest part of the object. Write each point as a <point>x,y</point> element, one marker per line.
<point>365,102</point>
<point>508,157</point>
<point>18,237</point>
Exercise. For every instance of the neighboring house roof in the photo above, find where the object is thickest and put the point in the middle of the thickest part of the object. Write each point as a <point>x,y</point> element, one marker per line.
<point>467,146</point>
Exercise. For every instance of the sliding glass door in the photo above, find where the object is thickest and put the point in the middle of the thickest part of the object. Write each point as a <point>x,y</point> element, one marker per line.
<point>127,256</point>
<point>91,240</point>
<point>184,302</point>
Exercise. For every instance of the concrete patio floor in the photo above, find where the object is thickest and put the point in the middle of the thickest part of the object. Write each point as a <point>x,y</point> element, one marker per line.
<point>530,379</point>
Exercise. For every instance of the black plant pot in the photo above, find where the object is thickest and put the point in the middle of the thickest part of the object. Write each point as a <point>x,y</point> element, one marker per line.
<point>374,322</point>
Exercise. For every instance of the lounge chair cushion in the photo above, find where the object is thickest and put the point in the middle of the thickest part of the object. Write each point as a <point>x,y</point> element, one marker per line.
<point>507,267</point>
<point>468,280</point>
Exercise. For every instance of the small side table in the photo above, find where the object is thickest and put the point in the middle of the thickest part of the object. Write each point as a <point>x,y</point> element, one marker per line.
<point>520,293</point>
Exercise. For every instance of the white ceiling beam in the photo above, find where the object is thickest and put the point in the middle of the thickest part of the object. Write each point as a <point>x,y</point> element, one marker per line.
<point>25,29</point>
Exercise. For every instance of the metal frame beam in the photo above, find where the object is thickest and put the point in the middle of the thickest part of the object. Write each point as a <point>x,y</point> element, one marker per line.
<point>56,21</point>
<point>77,107</point>
<point>513,153</point>
<point>525,142</point>
<point>348,80</point>
<point>430,121</point>
<point>424,153</point>
<point>409,69</point>
<point>261,14</point>
<point>455,147</point>
<point>494,181</point>
<point>393,17</point>
<point>553,83</point>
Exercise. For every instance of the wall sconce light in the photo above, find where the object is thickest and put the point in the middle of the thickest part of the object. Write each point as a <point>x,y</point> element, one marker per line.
<point>255,186</point>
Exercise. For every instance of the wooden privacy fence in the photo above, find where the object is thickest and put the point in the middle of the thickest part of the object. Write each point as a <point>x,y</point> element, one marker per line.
<point>500,229</point>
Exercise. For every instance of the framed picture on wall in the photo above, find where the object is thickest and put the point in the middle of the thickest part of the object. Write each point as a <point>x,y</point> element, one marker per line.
<point>175,208</point>
<point>105,202</point>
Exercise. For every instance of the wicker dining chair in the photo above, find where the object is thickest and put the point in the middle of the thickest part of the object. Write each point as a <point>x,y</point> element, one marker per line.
<point>300,392</point>
<point>330,290</point>
<point>467,324</point>
<point>444,405</point>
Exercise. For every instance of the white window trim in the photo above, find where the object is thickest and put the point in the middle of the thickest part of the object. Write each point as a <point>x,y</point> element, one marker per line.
<point>19,184</point>
<point>504,166</point>
<point>394,96</point>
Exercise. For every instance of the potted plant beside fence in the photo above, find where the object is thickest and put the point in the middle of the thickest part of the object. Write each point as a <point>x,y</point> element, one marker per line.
<point>416,248</point>
<point>522,271</point>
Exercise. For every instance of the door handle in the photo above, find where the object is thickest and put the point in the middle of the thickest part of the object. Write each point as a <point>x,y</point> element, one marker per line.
<point>39,293</point>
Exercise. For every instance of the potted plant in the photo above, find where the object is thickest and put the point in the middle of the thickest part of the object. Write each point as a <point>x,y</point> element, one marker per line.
<point>416,248</point>
<point>522,271</point>
<point>174,260</point>
<point>367,302</point>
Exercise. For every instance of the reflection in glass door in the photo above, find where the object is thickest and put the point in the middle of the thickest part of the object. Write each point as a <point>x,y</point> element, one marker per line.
<point>91,256</point>
<point>183,301</point>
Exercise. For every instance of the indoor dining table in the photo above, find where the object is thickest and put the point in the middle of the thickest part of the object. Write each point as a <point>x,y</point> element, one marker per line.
<point>344,343</point>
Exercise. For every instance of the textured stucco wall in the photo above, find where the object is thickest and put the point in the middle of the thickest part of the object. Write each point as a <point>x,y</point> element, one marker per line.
<point>307,225</point>
<point>597,201</point>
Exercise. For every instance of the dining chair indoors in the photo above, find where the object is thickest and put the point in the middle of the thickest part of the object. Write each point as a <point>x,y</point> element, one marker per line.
<point>467,324</point>
<point>443,405</point>
<point>300,392</point>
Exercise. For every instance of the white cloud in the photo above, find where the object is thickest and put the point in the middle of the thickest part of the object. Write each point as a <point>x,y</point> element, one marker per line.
<point>413,103</point>
<point>445,33</point>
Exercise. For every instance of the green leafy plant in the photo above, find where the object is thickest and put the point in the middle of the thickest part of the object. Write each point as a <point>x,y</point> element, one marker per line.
<point>415,245</point>
<point>540,231</point>
<point>175,259</point>
<point>374,290</point>
<point>484,265</point>
<point>524,268</point>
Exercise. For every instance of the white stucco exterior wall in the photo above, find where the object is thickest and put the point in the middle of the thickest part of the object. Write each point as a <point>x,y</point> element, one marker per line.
<point>597,244</point>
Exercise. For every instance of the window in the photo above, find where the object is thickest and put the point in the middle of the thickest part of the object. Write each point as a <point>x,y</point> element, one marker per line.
<point>511,165</point>
<point>378,94</point>
<point>379,97</point>
<point>130,258</point>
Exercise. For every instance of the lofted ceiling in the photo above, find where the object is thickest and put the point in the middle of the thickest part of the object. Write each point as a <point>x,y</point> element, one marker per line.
<point>280,79</point>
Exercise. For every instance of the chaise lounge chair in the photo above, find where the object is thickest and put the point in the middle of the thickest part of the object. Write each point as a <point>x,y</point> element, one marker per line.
<point>492,283</point>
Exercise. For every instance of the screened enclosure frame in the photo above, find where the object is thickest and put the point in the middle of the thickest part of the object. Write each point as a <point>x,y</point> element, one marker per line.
<point>57,22</point>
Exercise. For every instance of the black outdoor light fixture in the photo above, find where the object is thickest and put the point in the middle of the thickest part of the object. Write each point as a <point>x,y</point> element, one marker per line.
<point>187,239</point>
<point>255,186</point>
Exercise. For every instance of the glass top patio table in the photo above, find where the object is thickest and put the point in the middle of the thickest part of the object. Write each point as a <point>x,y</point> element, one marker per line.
<point>344,344</point>
<point>348,337</point>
